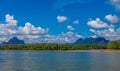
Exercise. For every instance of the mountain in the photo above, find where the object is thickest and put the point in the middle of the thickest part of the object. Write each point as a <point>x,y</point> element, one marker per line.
<point>90,40</point>
<point>14,40</point>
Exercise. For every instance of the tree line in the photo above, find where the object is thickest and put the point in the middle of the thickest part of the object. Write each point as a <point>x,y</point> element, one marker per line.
<point>56,46</point>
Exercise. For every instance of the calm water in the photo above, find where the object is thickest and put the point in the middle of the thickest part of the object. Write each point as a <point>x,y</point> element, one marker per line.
<point>59,61</point>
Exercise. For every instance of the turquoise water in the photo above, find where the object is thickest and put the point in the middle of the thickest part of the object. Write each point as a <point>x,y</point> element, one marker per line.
<point>59,61</point>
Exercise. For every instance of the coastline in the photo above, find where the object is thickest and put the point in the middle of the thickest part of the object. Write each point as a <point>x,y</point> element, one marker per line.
<point>87,50</point>
<point>95,50</point>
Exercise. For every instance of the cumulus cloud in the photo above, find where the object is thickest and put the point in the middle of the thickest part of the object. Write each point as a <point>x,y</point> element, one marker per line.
<point>76,22</point>
<point>61,19</point>
<point>97,23</point>
<point>112,18</point>
<point>32,34</point>
<point>31,29</point>
<point>109,33</point>
<point>115,3</point>
<point>70,27</point>
<point>10,29</point>
<point>69,33</point>
<point>64,37</point>
<point>10,20</point>
<point>111,28</point>
<point>70,37</point>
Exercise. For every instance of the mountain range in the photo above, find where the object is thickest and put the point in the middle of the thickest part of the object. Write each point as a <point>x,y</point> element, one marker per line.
<point>90,40</point>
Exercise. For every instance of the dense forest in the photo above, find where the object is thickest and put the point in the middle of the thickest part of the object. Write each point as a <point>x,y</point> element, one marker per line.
<point>114,44</point>
<point>56,46</point>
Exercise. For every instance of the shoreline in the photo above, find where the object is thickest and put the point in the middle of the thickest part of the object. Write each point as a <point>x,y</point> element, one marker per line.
<point>89,50</point>
<point>95,50</point>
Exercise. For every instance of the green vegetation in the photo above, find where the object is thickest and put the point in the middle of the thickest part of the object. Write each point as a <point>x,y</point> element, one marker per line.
<point>52,46</point>
<point>56,46</point>
<point>114,44</point>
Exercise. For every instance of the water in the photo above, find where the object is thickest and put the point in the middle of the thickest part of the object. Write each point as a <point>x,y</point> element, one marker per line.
<point>59,61</point>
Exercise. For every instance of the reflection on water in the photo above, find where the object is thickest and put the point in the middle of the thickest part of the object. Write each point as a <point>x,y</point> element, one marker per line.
<point>59,61</point>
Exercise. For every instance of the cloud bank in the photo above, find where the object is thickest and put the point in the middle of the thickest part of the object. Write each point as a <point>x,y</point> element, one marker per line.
<point>32,34</point>
<point>109,33</point>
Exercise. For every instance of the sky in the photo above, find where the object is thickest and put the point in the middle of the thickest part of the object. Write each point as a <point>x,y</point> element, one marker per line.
<point>59,21</point>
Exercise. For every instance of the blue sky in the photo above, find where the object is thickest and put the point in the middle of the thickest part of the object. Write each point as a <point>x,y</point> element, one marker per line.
<point>61,21</point>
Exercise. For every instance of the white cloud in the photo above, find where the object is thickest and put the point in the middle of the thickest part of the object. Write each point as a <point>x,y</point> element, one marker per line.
<point>115,3</point>
<point>69,33</point>
<point>92,30</point>
<point>111,28</point>
<point>5,30</point>
<point>70,27</point>
<point>78,36</point>
<point>110,33</point>
<point>10,20</point>
<point>112,18</point>
<point>9,28</point>
<point>76,22</point>
<point>31,29</point>
<point>94,36</point>
<point>61,19</point>
<point>3,39</point>
<point>69,37</point>
<point>31,34</point>
<point>97,23</point>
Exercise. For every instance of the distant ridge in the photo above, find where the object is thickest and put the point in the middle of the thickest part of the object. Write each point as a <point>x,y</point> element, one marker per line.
<point>14,40</point>
<point>90,40</point>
